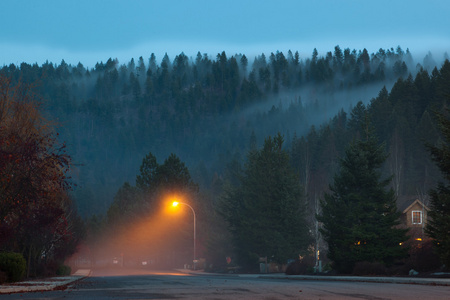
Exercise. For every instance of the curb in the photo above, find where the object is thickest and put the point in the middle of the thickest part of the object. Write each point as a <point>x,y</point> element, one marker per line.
<point>48,284</point>
<point>282,276</point>
<point>397,280</point>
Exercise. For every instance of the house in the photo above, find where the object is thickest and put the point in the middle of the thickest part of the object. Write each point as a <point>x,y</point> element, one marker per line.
<point>414,216</point>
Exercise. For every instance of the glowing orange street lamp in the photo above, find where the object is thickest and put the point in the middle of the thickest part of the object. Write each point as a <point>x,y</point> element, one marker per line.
<point>175,204</point>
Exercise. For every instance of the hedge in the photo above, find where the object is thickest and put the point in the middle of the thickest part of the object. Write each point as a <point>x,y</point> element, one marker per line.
<point>13,265</point>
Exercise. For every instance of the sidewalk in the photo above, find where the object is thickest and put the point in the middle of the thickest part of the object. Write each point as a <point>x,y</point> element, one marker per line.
<point>398,280</point>
<point>47,284</point>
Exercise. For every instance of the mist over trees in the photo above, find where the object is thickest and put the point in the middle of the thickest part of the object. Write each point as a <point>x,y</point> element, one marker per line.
<point>211,112</point>
<point>154,181</point>
<point>136,222</point>
<point>200,108</point>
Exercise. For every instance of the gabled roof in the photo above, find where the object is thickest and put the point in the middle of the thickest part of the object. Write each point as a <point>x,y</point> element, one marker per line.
<point>412,204</point>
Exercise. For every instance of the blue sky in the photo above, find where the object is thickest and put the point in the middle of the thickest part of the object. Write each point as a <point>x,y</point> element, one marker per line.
<point>89,31</point>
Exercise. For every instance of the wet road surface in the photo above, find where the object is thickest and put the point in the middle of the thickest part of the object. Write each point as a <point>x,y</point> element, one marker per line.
<point>143,284</point>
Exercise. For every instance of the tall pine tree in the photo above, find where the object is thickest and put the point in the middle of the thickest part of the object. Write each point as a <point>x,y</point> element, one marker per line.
<point>359,214</point>
<point>438,226</point>
<point>266,211</point>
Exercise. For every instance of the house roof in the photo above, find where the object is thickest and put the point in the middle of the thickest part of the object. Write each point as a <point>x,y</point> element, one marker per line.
<point>413,203</point>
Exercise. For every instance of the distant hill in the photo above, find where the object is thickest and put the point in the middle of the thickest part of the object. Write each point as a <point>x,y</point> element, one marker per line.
<point>208,111</point>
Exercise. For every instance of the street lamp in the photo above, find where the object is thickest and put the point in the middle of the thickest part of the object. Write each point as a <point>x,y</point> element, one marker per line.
<point>175,204</point>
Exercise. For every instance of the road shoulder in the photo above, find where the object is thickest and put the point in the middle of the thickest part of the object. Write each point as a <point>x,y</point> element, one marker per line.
<point>46,284</point>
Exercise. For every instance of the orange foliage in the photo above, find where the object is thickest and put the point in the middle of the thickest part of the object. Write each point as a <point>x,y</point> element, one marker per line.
<point>33,168</point>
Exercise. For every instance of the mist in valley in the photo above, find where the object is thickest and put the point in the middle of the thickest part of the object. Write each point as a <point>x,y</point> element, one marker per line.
<point>243,113</point>
<point>111,135</point>
<point>209,112</point>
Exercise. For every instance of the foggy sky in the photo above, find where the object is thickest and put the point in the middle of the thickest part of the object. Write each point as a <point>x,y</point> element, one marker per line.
<point>92,30</point>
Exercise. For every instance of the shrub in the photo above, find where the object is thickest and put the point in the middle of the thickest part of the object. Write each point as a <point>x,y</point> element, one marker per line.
<point>327,268</point>
<point>63,270</point>
<point>51,268</point>
<point>3,277</point>
<point>46,268</point>
<point>299,267</point>
<point>13,265</point>
<point>423,258</point>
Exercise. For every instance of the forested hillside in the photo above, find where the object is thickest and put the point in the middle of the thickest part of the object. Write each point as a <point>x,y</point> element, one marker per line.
<point>404,121</point>
<point>210,110</point>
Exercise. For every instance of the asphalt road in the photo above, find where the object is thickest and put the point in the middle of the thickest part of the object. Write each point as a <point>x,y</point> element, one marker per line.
<point>141,284</point>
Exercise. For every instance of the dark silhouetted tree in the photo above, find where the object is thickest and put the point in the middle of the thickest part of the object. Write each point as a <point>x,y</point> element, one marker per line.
<point>359,214</point>
<point>266,211</point>
<point>34,205</point>
<point>438,226</point>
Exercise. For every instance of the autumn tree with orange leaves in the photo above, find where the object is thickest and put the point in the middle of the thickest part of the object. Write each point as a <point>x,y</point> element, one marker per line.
<point>36,214</point>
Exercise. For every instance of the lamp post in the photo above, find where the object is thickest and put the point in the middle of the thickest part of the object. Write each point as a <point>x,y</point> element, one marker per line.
<point>175,203</point>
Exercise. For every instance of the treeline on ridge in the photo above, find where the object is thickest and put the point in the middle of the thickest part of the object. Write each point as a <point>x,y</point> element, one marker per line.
<point>114,114</point>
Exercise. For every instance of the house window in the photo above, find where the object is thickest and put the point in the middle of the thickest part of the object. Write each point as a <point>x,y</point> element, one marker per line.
<point>417,217</point>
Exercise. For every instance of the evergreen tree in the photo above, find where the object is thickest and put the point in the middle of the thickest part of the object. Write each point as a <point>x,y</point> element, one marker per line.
<point>126,206</point>
<point>359,214</point>
<point>174,175</point>
<point>148,177</point>
<point>438,226</point>
<point>265,212</point>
